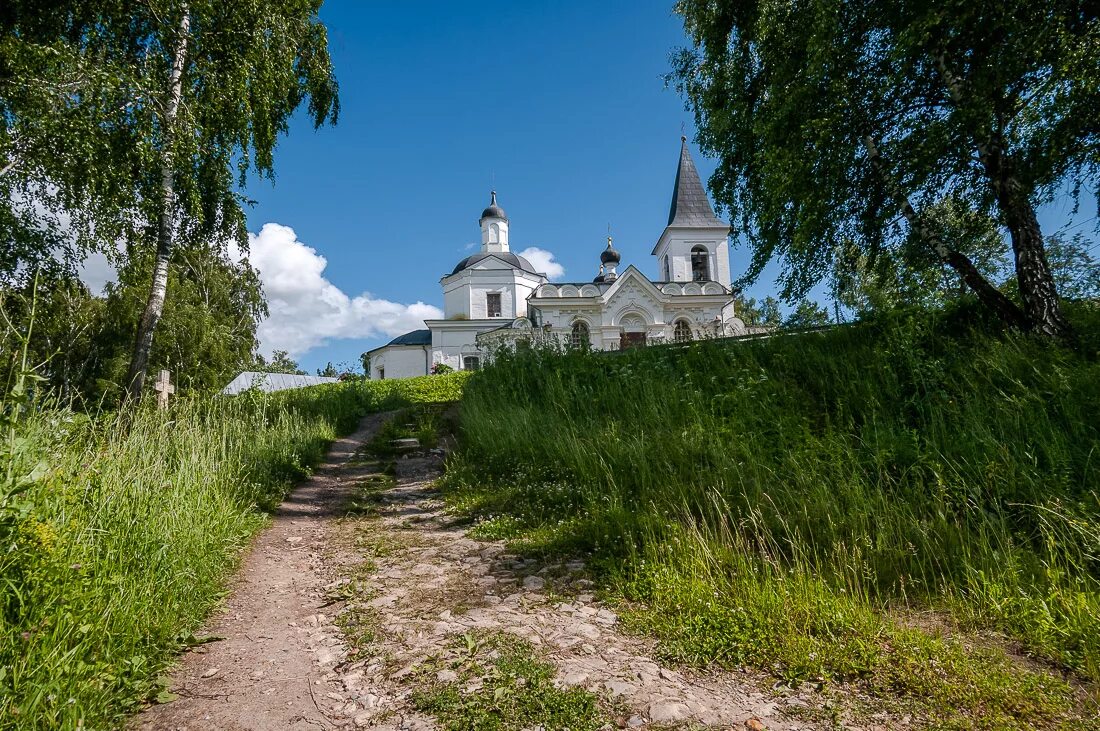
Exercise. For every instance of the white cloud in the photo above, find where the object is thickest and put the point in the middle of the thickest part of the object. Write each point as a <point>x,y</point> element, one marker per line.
<point>307,310</point>
<point>543,261</point>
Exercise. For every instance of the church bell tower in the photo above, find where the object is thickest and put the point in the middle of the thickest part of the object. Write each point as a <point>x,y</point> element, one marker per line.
<point>494,227</point>
<point>695,244</point>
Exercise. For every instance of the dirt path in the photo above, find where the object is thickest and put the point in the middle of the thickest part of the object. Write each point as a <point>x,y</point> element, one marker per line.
<point>407,584</point>
<point>274,669</point>
<point>430,585</point>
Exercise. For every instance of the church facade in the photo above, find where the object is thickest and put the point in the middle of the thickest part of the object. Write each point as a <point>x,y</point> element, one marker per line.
<point>496,298</point>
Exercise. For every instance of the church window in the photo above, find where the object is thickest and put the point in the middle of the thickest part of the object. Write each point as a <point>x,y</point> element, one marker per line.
<point>381,373</point>
<point>681,333</point>
<point>667,275</point>
<point>492,304</point>
<point>494,233</point>
<point>578,338</point>
<point>700,264</point>
<point>471,363</point>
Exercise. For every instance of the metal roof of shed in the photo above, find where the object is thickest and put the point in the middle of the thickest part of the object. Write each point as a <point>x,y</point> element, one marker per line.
<point>271,382</point>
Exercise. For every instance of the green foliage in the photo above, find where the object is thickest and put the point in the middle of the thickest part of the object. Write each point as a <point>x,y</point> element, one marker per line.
<point>64,76</point>
<point>83,343</point>
<point>765,314</point>
<point>97,75</point>
<point>280,362</point>
<point>1075,269</point>
<point>126,535</point>
<point>993,102</point>
<point>397,393</point>
<point>911,275</point>
<point>207,334</point>
<point>118,532</point>
<point>68,347</point>
<point>807,314</point>
<point>516,691</point>
<point>764,500</point>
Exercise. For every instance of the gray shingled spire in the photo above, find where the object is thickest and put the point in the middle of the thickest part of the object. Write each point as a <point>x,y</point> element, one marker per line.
<point>690,205</point>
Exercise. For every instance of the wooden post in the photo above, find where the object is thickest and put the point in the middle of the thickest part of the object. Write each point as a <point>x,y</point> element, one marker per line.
<point>164,389</point>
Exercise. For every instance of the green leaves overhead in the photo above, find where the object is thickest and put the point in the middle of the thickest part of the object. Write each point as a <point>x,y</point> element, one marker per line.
<point>82,94</point>
<point>995,104</point>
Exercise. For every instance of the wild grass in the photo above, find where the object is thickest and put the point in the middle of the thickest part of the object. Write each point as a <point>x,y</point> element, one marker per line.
<point>766,501</point>
<point>117,532</point>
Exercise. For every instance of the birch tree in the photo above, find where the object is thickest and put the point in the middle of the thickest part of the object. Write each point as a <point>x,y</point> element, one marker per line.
<point>141,120</point>
<point>232,75</point>
<point>842,121</point>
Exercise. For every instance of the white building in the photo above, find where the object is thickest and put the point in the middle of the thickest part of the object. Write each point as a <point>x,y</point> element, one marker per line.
<point>495,296</point>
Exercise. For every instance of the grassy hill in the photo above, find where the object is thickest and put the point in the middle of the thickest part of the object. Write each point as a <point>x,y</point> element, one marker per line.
<point>885,502</point>
<point>117,532</point>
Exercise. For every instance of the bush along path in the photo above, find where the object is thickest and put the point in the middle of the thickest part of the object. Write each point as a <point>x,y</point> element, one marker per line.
<point>450,632</point>
<point>268,662</point>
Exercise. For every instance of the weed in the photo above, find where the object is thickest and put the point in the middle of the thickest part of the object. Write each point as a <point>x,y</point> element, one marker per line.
<point>497,683</point>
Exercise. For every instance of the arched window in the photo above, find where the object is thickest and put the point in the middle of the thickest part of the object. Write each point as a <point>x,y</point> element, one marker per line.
<point>494,233</point>
<point>681,333</point>
<point>666,270</point>
<point>578,338</point>
<point>700,264</point>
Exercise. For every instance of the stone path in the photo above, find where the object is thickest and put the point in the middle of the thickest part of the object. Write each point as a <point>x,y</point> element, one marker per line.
<point>273,669</point>
<point>285,664</point>
<point>432,583</point>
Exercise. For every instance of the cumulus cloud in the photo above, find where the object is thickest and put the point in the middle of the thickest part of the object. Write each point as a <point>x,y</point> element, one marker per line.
<point>307,310</point>
<point>544,262</point>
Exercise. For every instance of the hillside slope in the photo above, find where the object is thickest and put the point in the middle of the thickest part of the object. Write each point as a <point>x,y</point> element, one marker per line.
<point>837,505</point>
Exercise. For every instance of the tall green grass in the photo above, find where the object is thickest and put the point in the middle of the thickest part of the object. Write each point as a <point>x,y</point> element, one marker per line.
<point>117,532</point>
<point>769,497</point>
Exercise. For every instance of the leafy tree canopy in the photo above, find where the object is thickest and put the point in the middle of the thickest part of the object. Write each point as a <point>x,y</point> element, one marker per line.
<point>280,362</point>
<point>828,116</point>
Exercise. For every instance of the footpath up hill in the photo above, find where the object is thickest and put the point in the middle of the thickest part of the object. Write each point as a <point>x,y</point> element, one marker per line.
<point>118,534</point>
<point>910,503</point>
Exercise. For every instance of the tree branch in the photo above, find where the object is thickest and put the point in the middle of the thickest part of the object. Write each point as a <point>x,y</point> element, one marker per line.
<point>987,293</point>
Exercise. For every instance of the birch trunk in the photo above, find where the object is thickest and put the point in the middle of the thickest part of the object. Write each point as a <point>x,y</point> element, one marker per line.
<point>1042,307</point>
<point>143,343</point>
<point>989,295</point>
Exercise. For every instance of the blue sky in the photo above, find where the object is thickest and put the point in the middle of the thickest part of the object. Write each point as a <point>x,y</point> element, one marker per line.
<point>560,106</point>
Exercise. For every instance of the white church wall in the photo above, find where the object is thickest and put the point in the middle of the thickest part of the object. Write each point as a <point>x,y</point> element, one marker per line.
<point>465,293</point>
<point>399,361</point>
<point>479,299</point>
<point>676,244</point>
<point>456,301</point>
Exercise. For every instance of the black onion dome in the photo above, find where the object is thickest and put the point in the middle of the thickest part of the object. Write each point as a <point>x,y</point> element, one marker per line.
<point>610,255</point>
<point>493,211</point>
<point>514,259</point>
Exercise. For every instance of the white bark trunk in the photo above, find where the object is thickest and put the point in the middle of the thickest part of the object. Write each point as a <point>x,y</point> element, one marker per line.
<point>143,343</point>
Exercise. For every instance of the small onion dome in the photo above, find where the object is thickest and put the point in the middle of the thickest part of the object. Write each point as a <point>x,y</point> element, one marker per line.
<point>609,255</point>
<point>493,211</point>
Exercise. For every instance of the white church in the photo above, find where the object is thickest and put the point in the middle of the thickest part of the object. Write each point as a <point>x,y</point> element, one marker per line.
<point>495,297</point>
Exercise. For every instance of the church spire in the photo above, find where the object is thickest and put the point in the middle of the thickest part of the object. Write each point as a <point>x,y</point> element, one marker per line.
<point>690,205</point>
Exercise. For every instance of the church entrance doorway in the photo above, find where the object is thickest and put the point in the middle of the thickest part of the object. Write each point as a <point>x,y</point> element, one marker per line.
<point>632,334</point>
